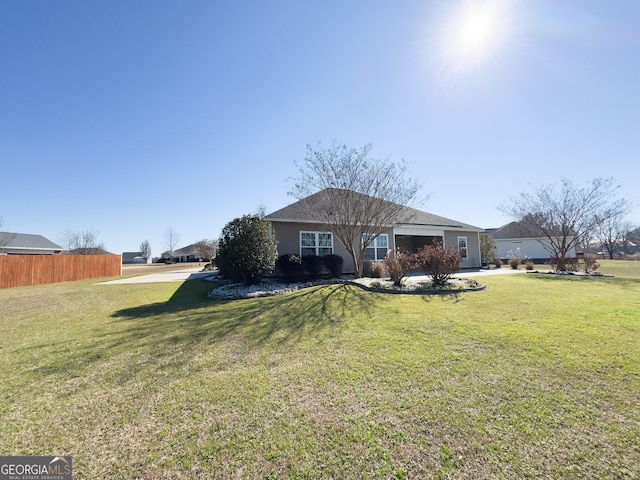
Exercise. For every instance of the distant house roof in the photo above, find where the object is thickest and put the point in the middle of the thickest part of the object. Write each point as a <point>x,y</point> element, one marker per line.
<point>88,251</point>
<point>188,251</point>
<point>513,230</point>
<point>27,243</point>
<point>298,212</point>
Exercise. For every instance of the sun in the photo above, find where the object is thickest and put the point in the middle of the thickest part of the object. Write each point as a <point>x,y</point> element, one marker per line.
<point>474,32</point>
<point>471,34</point>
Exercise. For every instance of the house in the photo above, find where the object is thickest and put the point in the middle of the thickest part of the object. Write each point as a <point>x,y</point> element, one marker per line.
<point>27,244</point>
<point>518,239</point>
<point>191,253</point>
<point>129,258</point>
<point>298,233</point>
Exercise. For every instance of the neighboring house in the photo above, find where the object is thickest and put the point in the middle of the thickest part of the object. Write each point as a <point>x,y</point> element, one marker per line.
<point>300,234</point>
<point>27,244</point>
<point>621,247</point>
<point>190,253</point>
<point>516,238</point>
<point>129,258</point>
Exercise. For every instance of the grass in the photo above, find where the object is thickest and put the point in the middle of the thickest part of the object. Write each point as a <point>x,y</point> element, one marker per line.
<point>537,376</point>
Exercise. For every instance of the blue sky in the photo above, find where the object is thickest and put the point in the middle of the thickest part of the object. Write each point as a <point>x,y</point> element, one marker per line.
<point>129,118</point>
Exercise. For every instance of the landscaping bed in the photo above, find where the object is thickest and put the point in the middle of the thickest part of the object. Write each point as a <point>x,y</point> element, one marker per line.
<point>270,287</point>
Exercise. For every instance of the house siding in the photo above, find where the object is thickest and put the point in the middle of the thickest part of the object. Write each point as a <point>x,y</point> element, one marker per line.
<point>530,248</point>
<point>288,235</point>
<point>473,246</point>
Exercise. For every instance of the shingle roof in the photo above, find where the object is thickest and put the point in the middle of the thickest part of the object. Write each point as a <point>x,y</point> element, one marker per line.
<point>513,230</point>
<point>26,241</point>
<point>298,212</point>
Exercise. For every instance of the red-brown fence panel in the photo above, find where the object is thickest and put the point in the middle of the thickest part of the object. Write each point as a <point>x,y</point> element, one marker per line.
<point>22,270</point>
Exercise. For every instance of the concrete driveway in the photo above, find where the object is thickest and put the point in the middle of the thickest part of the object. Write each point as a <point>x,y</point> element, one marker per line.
<point>175,276</point>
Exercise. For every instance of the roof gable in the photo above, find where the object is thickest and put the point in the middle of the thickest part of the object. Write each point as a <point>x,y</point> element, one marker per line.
<point>514,230</point>
<point>27,241</point>
<point>298,212</point>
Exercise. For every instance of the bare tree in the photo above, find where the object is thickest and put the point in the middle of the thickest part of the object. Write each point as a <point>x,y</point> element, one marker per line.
<point>145,250</point>
<point>611,233</point>
<point>207,249</point>
<point>5,237</point>
<point>354,196</point>
<point>626,230</point>
<point>82,243</point>
<point>565,217</point>
<point>171,239</point>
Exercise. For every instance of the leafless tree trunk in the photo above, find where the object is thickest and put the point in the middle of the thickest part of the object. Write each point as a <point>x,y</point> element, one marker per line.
<point>171,239</point>
<point>145,250</point>
<point>609,233</point>
<point>354,196</point>
<point>565,217</point>
<point>624,232</point>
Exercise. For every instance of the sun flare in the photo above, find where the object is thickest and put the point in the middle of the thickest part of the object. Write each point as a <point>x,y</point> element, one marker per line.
<point>474,32</point>
<point>471,34</point>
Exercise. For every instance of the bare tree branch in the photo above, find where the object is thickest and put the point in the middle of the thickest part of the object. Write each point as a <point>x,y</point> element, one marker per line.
<point>566,216</point>
<point>171,239</point>
<point>145,250</point>
<point>5,238</point>
<point>356,197</point>
<point>207,249</point>
<point>81,243</point>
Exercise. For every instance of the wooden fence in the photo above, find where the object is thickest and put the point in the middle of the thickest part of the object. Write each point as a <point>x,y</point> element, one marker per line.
<point>22,270</point>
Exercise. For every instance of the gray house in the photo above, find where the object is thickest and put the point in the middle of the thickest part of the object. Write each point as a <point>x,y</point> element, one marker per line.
<point>27,244</point>
<point>519,239</point>
<point>298,233</point>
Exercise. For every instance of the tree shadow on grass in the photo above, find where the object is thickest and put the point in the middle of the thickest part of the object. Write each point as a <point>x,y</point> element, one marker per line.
<point>174,333</point>
<point>190,320</point>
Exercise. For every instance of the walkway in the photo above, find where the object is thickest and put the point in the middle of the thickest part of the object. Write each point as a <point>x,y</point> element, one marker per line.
<point>175,276</point>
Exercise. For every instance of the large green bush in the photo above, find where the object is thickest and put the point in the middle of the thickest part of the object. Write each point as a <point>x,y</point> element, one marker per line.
<point>290,267</point>
<point>247,249</point>
<point>313,265</point>
<point>487,248</point>
<point>334,264</point>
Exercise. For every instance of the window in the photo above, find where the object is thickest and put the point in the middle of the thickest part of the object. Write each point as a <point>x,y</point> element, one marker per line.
<point>316,243</point>
<point>378,248</point>
<point>462,247</point>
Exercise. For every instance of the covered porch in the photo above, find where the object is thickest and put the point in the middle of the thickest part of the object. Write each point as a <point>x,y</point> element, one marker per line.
<point>413,239</point>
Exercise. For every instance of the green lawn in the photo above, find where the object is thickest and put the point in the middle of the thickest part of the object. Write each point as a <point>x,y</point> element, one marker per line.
<point>537,376</point>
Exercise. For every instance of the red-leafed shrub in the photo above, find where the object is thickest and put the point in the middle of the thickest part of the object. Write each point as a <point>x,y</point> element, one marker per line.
<point>439,262</point>
<point>399,264</point>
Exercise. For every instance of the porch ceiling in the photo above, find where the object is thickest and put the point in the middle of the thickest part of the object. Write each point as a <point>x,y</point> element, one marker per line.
<point>418,231</point>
